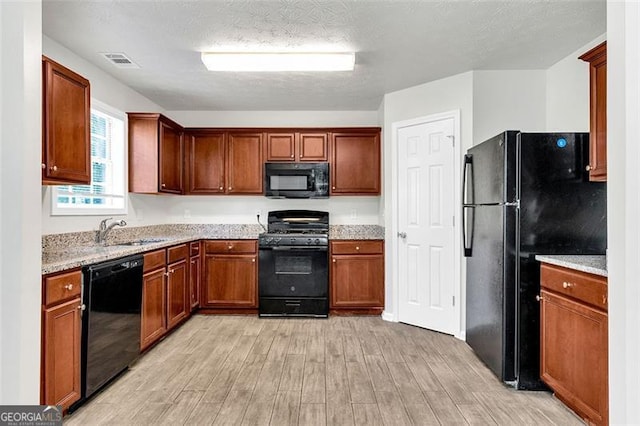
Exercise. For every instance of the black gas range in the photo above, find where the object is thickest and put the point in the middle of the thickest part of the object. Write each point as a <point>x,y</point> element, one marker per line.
<point>293,277</point>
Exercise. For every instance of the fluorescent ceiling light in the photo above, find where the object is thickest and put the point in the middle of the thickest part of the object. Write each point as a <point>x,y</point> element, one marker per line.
<point>258,61</point>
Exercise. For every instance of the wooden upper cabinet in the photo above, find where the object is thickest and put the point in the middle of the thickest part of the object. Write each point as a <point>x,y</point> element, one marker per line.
<point>297,146</point>
<point>171,158</point>
<point>66,142</point>
<point>155,154</point>
<point>281,147</point>
<point>244,163</point>
<point>597,58</point>
<point>355,162</point>
<point>205,162</point>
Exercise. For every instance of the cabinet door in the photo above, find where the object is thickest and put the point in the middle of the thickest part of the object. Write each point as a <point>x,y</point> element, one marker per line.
<point>194,281</point>
<point>597,58</point>
<point>281,147</point>
<point>230,281</point>
<point>178,305</point>
<point>574,355</point>
<point>244,163</point>
<point>355,163</point>
<point>170,158</point>
<point>357,281</point>
<point>66,128</point>
<point>153,307</point>
<point>206,163</point>
<point>313,147</point>
<point>61,354</point>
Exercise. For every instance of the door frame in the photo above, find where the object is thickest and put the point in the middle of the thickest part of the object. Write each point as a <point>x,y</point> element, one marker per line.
<point>457,244</point>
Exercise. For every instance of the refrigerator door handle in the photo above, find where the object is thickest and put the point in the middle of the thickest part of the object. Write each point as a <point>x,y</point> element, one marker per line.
<point>466,167</point>
<point>467,238</point>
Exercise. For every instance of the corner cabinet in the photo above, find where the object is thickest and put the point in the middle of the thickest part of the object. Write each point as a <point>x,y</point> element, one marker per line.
<point>66,114</point>
<point>597,59</point>
<point>574,340</point>
<point>357,275</point>
<point>230,278</point>
<point>61,336</point>
<point>156,154</point>
<point>355,162</point>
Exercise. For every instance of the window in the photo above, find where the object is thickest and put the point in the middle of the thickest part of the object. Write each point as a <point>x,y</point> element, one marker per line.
<point>106,193</point>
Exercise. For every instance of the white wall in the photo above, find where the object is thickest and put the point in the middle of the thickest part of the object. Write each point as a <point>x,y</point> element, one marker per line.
<point>507,100</point>
<point>623,204</point>
<point>20,148</point>
<point>567,92</point>
<point>448,94</point>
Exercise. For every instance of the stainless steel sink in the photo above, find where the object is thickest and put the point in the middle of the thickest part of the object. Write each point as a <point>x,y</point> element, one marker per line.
<point>141,242</point>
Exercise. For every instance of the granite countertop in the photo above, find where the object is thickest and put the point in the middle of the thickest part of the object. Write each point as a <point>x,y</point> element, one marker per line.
<point>592,264</point>
<point>72,250</point>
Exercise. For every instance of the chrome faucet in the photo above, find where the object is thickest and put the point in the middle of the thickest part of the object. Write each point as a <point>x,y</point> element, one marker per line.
<point>103,229</point>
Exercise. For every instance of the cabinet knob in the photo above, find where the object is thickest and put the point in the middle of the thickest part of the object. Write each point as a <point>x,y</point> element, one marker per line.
<point>68,287</point>
<point>44,166</point>
<point>222,188</point>
<point>538,298</point>
<point>357,247</point>
<point>53,168</point>
<point>82,307</point>
<point>301,155</point>
<point>588,168</point>
<point>229,247</point>
<point>566,285</point>
<point>172,271</point>
<point>604,299</point>
<point>333,187</point>
<point>193,262</point>
<point>333,260</point>
<point>166,274</point>
<point>164,185</point>
<point>230,188</point>
<point>253,260</point>
<point>291,155</point>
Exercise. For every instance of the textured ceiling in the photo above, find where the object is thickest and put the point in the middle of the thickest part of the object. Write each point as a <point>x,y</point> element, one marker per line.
<point>398,44</point>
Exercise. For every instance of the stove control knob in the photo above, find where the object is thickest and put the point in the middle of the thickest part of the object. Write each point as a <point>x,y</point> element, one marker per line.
<point>309,241</point>
<point>293,241</point>
<point>277,240</point>
<point>317,240</point>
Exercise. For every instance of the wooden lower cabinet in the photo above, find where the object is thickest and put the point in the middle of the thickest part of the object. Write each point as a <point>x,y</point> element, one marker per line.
<point>61,336</point>
<point>574,340</point>
<point>165,292</point>
<point>154,299</point>
<point>357,275</point>
<point>195,272</point>
<point>178,301</point>
<point>230,277</point>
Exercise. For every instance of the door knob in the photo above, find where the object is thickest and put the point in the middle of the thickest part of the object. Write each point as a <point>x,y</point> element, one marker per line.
<point>402,235</point>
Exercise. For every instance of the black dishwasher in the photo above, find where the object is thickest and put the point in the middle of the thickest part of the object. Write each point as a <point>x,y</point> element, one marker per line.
<point>112,295</point>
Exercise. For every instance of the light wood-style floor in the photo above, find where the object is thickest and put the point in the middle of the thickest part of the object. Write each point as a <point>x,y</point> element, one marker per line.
<point>341,371</point>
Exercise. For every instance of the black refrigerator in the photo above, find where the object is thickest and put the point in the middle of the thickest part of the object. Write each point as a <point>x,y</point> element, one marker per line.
<point>523,194</point>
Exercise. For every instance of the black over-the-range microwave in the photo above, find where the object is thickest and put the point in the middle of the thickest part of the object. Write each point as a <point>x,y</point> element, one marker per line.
<point>296,180</point>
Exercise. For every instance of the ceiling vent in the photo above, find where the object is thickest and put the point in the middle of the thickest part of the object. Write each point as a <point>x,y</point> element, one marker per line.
<point>120,60</point>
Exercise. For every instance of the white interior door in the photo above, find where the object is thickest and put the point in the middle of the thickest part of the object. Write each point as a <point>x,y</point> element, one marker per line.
<point>426,202</point>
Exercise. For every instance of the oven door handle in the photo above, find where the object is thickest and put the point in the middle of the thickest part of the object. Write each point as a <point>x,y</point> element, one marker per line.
<point>295,248</point>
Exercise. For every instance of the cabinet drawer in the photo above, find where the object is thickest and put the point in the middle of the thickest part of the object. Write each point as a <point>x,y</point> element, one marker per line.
<point>194,249</point>
<point>230,246</point>
<point>177,253</point>
<point>155,259</point>
<point>62,287</point>
<point>357,247</point>
<point>588,288</point>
